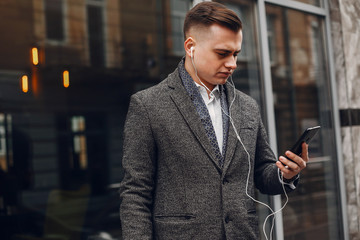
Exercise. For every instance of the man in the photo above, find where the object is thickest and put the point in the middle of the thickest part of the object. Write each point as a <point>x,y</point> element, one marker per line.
<point>187,174</point>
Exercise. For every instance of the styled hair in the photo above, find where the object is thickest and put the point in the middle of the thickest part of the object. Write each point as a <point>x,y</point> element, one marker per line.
<point>205,14</point>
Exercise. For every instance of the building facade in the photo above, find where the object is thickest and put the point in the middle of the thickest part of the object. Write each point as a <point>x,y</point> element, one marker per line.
<point>69,67</point>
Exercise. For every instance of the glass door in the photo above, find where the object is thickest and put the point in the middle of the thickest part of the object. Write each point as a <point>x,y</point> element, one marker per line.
<point>301,91</point>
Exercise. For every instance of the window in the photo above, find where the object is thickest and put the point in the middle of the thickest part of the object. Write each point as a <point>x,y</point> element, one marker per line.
<point>54,20</point>
<point>271,34</point>
<point>248,44</point>
<point>3,160</point>
<point>301,89</point>
<point>6,153</point>
<point>247,74</point>
<point>178,12</point>
<point>95,27</point>
<point>79,155</point>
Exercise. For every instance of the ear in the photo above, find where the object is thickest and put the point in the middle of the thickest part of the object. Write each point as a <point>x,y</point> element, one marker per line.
<point>188,44</point>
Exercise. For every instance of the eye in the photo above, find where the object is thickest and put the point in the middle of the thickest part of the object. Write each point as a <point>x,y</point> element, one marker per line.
<point>222,54</point>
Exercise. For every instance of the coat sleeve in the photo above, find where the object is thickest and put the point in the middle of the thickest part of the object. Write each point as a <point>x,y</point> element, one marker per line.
<point>136,188</point>
<point>266,172</point>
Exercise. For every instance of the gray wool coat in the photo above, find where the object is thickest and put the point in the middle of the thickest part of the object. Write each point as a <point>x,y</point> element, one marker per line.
<point>173,187</point>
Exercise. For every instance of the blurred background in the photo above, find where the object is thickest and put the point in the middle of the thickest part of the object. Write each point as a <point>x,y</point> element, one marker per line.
<point>69,67</point>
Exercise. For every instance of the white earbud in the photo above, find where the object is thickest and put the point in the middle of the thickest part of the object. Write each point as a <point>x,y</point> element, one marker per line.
<point>191,52</point>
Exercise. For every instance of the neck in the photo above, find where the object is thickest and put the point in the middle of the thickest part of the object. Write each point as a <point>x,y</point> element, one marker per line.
<point>191,70</point>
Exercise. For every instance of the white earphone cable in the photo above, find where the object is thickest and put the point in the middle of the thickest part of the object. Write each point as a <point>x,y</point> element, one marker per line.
<point>248,177</point>
<point>196,73</point>
<point>273,213</point>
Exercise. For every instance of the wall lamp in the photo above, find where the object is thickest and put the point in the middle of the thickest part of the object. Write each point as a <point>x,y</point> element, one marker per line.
<point>25,83</point>
<point>35,56</point>
<point>66,78</point>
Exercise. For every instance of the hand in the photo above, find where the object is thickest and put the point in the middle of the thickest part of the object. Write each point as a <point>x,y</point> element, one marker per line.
<point>289,168</point>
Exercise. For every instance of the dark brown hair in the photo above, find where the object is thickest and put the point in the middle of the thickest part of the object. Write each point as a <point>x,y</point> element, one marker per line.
<point>207,13</point>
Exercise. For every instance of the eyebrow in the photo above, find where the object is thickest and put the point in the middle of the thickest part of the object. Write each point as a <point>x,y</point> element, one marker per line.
<point>227,51</point>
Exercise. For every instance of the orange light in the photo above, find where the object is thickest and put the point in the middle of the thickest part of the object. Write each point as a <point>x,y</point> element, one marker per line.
<point>35,56</point>
<point>25,83</point>
<point>66,80</point>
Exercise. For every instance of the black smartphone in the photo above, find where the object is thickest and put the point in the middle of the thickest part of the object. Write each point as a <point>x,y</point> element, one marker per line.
<point>306,137</point>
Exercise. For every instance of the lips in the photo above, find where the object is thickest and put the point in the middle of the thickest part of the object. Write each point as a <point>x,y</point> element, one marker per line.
<point>224,74</point>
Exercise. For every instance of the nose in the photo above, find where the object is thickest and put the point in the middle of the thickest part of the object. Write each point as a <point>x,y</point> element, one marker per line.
<point>231,63</point>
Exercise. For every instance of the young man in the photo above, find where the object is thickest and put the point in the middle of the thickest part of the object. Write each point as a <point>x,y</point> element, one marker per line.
<point>187,174</point>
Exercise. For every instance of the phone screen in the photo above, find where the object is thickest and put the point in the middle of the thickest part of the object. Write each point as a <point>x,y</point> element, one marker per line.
<point>306,137</point>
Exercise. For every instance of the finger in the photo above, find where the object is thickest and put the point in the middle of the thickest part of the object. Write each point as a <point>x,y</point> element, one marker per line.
<point>285,170</point>
<point>299,165</point>
<point>284,161</point>
<point>296,160</point>
<point>290,165</point>
<point>305,152</point>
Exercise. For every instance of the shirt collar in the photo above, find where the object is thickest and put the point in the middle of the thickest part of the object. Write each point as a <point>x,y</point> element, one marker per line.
<point>215,91</point>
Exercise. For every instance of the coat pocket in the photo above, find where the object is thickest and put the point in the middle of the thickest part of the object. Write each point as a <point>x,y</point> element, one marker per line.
<point>174,217</point>
<point>174,226</point>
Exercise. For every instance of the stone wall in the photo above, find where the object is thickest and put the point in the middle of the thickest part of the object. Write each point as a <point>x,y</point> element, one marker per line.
<point>345,24</point>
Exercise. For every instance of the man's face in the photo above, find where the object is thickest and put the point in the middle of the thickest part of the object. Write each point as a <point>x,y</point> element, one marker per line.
<point>215,54</point>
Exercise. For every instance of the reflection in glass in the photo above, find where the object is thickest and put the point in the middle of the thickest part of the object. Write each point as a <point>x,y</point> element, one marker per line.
<point>6,158</point>
<point>95,28</point>
<point>54,20</point>
<point>246,77</point>
<point>60,148</point>
<point>301,93</point>
<point>3,162</point>
<point>179,9</point>
<point>79,140</point>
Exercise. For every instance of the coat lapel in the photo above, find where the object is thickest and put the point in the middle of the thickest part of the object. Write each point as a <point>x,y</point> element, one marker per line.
<point>186,107</point>
<point>232,140</point>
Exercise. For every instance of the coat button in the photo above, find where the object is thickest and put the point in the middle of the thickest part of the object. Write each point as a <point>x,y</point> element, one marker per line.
<point>227,219</point>
<point>225,180</point>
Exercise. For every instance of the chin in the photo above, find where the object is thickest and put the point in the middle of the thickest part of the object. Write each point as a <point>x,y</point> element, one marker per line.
<point>223,81</point>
